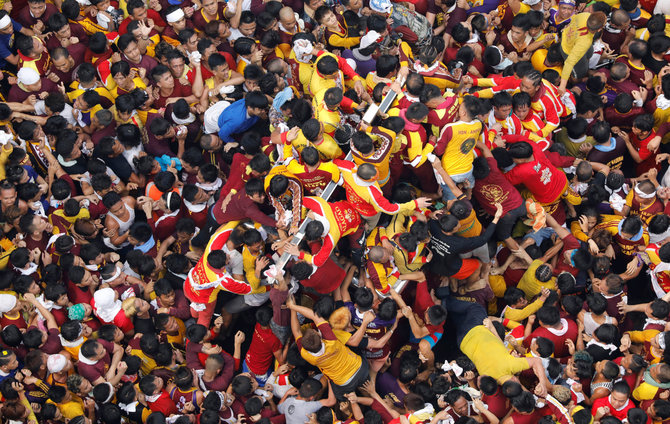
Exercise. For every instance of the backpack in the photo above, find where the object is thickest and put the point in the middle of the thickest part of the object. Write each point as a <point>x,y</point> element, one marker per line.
<point>417,23</point>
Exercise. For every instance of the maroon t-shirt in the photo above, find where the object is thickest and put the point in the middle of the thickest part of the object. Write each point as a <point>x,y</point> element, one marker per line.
<point>179,90</point>
<point>52,345</point>
<point>100,368</point>
<point>496,188</point>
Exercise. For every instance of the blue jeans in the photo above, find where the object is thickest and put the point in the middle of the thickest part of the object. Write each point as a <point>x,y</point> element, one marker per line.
<point>540,235</point>
<point>262,379</point>
<point>457,178</point>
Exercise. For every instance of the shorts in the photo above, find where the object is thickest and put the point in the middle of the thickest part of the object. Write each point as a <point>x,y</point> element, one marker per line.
<point>261,379</point>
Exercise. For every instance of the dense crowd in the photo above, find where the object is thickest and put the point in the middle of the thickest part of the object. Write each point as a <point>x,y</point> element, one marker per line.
<point>334,212</point>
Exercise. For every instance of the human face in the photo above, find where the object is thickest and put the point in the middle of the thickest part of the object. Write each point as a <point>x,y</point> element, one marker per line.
<point>176,67</point>
<point>201,196</point>
<point>618,400</point>
<point>224,30</point>
<point>330,20</point>
<point>261,113</point>
<point>166,81</point>
<point>167,299</point>
<point>120,79</point>
<point>8,196</point>
<point>132,52</point>
<point>9,29</point>
<point>80,104</point>
<point>37,9</point>
<point>140,14</point>
<point>210,7</point>
<point>99,352</point>
<point>289,23</point>
<point>117,208</point>
<point>172,325</point>
<point>141,305</point>
<point>179,25</point>
<point>192,43</point>
<point>518,34</point>
<point>64,33</point>
<point>247,29</point>
<point>63,64</point>
<point>85,387</point>
<point>38,46</point>
<point>502,112</point>
<point>527,86</point>
<point>118,335</point>
<point>522,111</point>
<point>654,341</point>
<point>12,364</point>
<point>221,72</point>
<point>461,406</point>
<point>355,5</point>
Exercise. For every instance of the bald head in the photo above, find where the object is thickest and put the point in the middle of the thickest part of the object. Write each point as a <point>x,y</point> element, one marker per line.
<point>285,13</point>
<point>620,17</point>
<point>377,254</point>
<point>366,171</point>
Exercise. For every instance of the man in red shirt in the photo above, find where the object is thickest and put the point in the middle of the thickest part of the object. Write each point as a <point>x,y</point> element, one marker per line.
<point>137,11</point>
<point>169,90</point>
<point>641,144</point>
<point>539,175</point>
<point>264,349</point>
<point>554,328</point>
<point>158,400</point>
<point>616,404</point>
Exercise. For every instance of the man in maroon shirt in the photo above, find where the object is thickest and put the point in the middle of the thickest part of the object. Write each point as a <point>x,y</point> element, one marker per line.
<point>36,230</point>
<point>219,370</point>
<point>131,53</point>
<point>170,301</point>
<point>36,14</point>
<point>100,362</point>
<point>245,204</point>
<point>46,341</point>
<point>167,89</point>
<point>492,187</point>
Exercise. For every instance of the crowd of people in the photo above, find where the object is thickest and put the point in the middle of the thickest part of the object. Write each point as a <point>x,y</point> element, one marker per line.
<point>334,211</point>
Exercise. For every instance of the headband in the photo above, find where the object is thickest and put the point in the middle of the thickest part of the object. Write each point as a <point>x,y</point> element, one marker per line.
<point>111,389</point>
<point>175,16</point>
<point>661,340</point>
<point>113,277</point>
<point>643,194</point>
<point>5,21</point>
<point>168,197</point>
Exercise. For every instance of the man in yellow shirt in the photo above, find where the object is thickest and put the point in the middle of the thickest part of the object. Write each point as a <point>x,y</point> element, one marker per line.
<point>577,45</point>
<point>456,144</point>
<point>343,367</point>
<point>476,338</point>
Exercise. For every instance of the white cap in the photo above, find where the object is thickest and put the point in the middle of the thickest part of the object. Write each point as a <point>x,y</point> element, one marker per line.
<point>531,2</point>
<point>27,76</point>
<point>7,302</point>
<point>175,16</point>
<point>368,39</point>
<point>56,363</point>
<point>5,22</point>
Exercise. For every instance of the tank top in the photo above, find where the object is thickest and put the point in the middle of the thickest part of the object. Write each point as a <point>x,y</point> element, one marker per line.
<point>180,398</point>
<point>590,324</point>
<point>124,226</point>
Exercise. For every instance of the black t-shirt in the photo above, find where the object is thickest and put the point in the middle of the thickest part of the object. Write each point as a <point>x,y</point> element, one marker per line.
<point>447,248</point>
